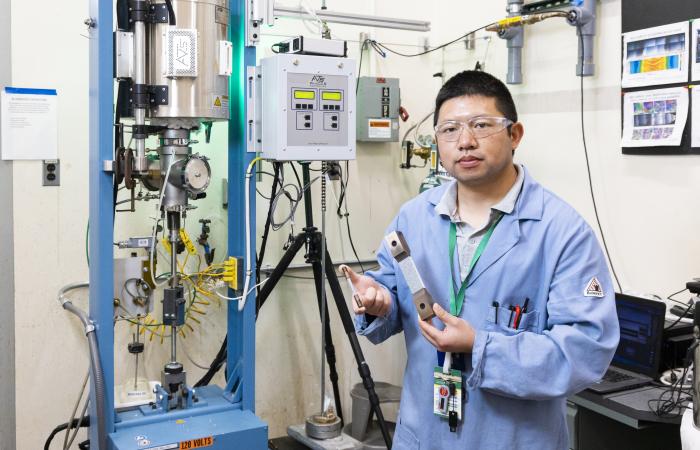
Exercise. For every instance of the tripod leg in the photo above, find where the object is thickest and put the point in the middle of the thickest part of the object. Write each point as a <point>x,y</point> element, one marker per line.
<point>276,274</point>
<point>330,348</point>
<point>362,366</point>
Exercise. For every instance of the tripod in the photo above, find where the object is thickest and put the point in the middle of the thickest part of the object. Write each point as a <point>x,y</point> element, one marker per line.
<point>313,239</point>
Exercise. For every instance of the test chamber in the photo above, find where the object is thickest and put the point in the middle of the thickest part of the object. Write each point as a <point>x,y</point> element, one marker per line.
<point>179,66</point>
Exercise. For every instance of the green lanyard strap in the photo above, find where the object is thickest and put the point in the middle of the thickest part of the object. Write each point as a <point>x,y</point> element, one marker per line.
<point>457,301</point>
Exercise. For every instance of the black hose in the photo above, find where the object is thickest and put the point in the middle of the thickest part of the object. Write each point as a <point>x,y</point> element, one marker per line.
<point>84,422</point>
<point>221,356</point>
<point>171,12</point>
<point>216,365</point>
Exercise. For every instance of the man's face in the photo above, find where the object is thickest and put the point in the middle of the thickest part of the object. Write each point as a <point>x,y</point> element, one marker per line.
<point>474,161</point>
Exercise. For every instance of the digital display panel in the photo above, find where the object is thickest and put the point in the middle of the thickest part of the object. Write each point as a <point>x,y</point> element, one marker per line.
<point>304,95</point>
<point>332,95</point>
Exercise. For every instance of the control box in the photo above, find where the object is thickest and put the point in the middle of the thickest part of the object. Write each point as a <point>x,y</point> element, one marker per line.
<point>378,103</point>
<point>304,108</point>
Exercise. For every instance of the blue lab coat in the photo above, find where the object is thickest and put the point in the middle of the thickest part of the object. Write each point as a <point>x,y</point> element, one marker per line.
<point>517,381</point>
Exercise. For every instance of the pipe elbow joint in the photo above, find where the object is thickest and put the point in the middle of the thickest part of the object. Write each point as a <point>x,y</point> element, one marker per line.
<point>511,34</point>
<point>583,18</point>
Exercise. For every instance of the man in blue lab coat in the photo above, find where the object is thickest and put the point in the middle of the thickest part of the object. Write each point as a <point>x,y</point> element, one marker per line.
<point>524,300</point>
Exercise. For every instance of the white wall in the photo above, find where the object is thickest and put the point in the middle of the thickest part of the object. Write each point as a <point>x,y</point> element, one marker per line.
<point>643,202</point>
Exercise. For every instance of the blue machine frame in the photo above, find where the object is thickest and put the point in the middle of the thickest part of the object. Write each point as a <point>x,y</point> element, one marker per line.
<point>224,418</point>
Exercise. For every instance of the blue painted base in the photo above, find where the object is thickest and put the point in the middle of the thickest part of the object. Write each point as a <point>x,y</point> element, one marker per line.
<point>226,424</point>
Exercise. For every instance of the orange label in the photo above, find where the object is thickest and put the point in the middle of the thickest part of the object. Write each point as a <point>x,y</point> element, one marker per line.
<point>197,443</point>
<point>380,124</point>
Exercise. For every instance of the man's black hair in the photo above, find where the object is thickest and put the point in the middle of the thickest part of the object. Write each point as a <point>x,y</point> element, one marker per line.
<point>477,83</point>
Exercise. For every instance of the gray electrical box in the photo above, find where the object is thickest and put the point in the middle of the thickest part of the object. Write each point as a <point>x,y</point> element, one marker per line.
<point>305,109</point>
<point>378,103</point>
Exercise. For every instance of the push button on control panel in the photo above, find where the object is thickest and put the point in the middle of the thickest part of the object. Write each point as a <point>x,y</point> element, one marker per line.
<point>331,121</point>
<point>305,120</point>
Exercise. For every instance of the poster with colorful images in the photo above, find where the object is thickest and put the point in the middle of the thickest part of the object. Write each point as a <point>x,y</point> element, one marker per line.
<point>654,118</point>
<point>695,61</point>
<point>655,56</point>
<point>695,126</point>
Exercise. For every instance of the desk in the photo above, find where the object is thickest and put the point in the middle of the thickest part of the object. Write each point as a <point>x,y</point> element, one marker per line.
<point>597,422</point>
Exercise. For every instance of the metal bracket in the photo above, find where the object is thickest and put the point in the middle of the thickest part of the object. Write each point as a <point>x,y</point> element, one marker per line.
<point>154,96</point>
<point>123,54</point>
<point>159,95</point>
<point>159,13</point>
<point>162,398</point>
<point>253,22</point>
<point>254,109</point>
<point>90,328</point>
<point>548,5</point>
<point>108,165</point>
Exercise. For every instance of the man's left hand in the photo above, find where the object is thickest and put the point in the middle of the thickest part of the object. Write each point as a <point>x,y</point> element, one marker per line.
<point>457,337</point>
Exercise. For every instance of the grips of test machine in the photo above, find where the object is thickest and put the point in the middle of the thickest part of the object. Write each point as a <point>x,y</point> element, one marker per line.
<point>399,249</point>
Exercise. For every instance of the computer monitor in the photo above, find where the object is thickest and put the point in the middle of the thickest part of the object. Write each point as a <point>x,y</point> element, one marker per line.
<point>641,333</point>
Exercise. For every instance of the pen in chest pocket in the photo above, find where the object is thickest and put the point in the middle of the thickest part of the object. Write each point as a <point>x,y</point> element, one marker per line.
<point>519,311</point>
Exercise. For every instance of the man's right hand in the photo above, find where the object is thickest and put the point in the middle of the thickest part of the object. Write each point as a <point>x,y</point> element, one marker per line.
<point>374,297</point>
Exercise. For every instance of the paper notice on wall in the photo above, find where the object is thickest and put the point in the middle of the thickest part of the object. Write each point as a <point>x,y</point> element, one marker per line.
<point>654,118</point>
<point>695,126</point>
<point>695,61</point>
<point>655,56</point>
<point>29,125</point>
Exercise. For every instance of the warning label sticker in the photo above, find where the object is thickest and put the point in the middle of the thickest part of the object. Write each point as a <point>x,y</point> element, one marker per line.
<point>219,102</point>
<point>379,128</point>
<point>197,443</point>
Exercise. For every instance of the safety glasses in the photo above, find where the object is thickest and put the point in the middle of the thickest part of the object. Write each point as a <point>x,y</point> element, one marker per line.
<point>479,127</point>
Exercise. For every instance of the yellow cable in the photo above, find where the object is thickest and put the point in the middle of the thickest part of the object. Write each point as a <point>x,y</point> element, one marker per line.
<point>253,162</point>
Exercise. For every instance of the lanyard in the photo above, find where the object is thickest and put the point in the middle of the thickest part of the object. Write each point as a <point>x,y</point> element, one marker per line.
<point>456,301</point>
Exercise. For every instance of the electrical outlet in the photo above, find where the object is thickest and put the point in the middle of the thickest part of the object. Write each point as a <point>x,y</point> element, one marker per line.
<point>51,172</point>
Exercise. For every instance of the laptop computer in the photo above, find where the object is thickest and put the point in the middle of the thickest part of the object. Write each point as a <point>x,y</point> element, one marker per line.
<point>638,355</point>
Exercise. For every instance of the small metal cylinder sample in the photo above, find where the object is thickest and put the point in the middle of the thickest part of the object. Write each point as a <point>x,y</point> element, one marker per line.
<point>323,427</point>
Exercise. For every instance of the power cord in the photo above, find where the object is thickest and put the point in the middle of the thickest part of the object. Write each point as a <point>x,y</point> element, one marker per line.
<point>671,401</point>
<point>681,317</point>
<point>342,201</point>
<point>588,170</point>
<point>380,46</point>
<point>75,423</point>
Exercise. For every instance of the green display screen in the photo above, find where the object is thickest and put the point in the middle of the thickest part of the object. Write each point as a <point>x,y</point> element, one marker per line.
<point>304,95</point>
<point>332,95</point>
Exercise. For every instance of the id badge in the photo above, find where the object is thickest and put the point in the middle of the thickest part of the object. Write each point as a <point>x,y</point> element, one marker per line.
<point>447,393</point>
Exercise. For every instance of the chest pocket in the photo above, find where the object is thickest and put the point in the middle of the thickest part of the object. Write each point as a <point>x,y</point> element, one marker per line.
<point>529,321</point>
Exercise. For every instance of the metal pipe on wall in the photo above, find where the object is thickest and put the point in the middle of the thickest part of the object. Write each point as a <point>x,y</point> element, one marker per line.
<point>515,37</point>
<point>584,21</point>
